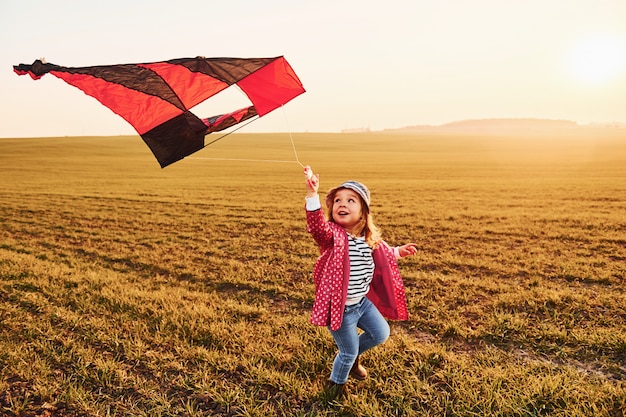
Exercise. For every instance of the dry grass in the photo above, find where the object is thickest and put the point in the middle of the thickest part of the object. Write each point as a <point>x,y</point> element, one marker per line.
<point>130,290</point>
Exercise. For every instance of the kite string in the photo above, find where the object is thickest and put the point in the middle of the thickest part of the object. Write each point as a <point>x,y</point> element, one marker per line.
<point>232,131</point>
<point>290,161</point>
<point>293,145</point>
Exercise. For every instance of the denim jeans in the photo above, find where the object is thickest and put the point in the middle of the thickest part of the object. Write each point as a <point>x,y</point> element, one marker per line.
<point>366,317</point>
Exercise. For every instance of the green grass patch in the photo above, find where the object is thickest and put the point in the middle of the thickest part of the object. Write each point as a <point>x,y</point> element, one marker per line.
<point>126,289</point>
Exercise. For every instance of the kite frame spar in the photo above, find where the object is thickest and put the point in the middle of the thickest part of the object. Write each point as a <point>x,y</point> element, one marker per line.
<point>156,98</point>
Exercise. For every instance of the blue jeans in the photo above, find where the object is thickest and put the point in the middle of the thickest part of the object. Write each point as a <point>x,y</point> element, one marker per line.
<point>366,317</point>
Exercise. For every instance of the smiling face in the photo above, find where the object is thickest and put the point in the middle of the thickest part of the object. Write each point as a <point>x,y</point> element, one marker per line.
<point>347,210</point>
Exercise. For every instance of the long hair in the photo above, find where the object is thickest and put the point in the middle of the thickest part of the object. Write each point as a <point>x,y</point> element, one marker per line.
<point>365,226</point>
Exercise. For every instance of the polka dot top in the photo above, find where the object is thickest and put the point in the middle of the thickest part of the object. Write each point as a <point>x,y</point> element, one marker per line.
<point>331,275</point>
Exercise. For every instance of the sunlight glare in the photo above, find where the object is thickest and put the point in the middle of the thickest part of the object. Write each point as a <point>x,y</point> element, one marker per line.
<point>597,59</point>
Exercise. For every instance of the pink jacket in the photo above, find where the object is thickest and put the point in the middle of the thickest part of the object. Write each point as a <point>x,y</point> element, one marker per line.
<point>332,273</point>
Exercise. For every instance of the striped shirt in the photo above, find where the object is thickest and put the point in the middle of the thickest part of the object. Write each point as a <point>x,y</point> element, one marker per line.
<point>361,269</point>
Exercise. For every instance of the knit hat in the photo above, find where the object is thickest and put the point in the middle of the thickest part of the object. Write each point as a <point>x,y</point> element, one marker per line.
<point>355,186</point>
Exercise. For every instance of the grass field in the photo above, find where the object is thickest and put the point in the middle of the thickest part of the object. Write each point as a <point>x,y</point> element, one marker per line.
<point>126,289</point>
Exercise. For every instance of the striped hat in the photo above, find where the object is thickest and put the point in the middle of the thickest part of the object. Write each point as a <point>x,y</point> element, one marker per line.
<point>355,186</point>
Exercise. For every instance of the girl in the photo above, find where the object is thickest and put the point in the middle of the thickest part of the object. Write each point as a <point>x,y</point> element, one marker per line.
<point>357,280</point>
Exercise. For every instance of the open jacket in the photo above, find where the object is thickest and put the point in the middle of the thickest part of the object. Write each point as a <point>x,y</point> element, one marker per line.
<point>332,274</point>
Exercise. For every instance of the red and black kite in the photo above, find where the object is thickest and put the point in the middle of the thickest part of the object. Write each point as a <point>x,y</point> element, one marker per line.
<point>155,98</point>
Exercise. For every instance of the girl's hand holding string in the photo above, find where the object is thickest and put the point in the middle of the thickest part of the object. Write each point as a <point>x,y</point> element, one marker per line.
<point>312,182</point>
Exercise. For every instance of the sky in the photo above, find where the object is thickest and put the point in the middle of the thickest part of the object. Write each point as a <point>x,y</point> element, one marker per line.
<point>365,64</point>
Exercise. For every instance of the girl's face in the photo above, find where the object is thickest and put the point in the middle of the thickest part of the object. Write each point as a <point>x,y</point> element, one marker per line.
<point>347,211</point>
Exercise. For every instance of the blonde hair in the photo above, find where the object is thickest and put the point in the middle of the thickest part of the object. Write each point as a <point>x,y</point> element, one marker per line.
<point>365,227</point>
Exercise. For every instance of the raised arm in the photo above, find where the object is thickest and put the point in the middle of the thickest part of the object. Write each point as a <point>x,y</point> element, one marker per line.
<point>312,182</point>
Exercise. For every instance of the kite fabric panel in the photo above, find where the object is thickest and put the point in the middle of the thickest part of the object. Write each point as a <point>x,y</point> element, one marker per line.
<point>156,98</point>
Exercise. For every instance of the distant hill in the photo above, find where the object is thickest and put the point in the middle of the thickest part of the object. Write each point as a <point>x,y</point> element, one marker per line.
<point>495,124</point>
<point>511,124</point>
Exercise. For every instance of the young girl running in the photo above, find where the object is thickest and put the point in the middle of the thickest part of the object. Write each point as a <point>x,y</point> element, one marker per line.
<point>357,281</point>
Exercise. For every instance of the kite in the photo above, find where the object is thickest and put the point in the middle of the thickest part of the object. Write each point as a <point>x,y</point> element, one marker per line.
<point>156,98</point>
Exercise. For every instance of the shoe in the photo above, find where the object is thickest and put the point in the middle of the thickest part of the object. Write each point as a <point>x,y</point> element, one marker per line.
<point>335,392</point>
<point>358,371</point>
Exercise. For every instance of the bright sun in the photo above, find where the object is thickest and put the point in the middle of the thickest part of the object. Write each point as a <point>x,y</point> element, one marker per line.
<point>597,59</point>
